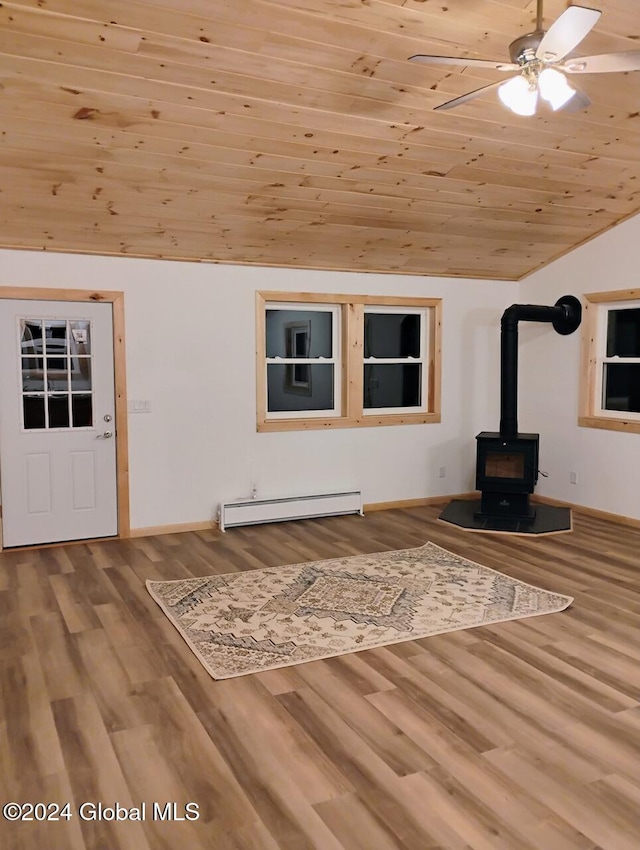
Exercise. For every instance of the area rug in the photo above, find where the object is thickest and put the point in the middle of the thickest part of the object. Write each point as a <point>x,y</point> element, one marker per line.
<point>258,620</point>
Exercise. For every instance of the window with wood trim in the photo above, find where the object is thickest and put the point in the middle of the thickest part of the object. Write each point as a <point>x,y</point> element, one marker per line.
<point>342,361</point>
<point>610,388</point>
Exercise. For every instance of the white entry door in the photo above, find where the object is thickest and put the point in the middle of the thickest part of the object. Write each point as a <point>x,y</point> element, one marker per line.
<point>57,422</point>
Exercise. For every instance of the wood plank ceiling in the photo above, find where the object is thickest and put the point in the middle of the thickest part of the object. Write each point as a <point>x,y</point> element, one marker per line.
<point>295,133</point>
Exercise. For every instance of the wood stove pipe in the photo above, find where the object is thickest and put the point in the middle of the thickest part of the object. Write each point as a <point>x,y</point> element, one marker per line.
<point>565,316</point>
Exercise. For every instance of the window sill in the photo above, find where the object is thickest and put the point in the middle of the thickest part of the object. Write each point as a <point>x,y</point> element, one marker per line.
<point>609,424</point>
<point>343,422</point>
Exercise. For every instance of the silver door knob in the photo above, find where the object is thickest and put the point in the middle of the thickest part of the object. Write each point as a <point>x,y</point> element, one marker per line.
<point>105,435</point>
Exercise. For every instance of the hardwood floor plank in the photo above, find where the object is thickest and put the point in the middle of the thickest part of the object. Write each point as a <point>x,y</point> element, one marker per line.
<point>593,682</point>
<point>375,782</point>
<point>522,735</point>
<point>478,729</point>
<point>95,773</point>
<point>356,825</point>
<point>482,827</point>
<point>59,657</point>
<point>583,807</point>
<point>255,717</point>
<point>381,735</point>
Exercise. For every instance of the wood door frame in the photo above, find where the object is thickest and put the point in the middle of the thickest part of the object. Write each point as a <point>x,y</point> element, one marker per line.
<point>116,299</point>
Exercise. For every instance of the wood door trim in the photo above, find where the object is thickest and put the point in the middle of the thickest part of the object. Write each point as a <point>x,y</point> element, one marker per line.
<point>116,299</point>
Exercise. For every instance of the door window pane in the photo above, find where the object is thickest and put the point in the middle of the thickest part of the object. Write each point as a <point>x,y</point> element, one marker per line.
<point>59,411</point>
<point>392,385</point>
<point>33,411</point>
<point>80,339</point>
<point>623,333</point>
<point>32,377</point>
<point>31,340</point>
<point>82,410</point>
<point>304,386</point>
<point>391,335</point>
<point>299,333</point>
<point>57,374</point>
<point>80,373</point>
<point>55,336</point>
<point>621,387</point>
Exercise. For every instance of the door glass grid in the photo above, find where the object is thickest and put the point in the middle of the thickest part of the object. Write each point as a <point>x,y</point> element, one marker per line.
<point>56,373</point>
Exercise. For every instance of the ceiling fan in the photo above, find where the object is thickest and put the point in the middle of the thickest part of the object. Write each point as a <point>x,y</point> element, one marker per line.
<point>541,60</point>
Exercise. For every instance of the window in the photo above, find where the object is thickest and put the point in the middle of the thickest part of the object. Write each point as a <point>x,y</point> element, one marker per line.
<point>55,373</point>
<point>394,350</point>
<point>302,355</point>
<point>610,392</point>
<point>346,361</point>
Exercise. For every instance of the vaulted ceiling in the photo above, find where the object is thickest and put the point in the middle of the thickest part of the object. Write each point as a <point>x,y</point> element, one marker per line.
<point>296,133</point>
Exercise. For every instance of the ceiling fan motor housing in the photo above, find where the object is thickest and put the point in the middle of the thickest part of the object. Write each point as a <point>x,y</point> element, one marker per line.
<point>523,49</point>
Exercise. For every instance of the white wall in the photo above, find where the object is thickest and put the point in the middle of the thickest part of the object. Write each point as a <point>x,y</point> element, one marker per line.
<point>190,351</point>
<point>607,462</point>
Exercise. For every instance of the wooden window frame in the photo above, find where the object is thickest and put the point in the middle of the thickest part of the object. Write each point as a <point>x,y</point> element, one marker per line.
<point>590,414</point>
<point>352,362</point>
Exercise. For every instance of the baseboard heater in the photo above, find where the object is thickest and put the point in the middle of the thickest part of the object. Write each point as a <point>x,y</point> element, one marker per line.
<point>255,511</point>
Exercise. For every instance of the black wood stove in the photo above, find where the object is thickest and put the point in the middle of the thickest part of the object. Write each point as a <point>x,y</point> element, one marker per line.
<point>507,461</point>
<point>506,474</point>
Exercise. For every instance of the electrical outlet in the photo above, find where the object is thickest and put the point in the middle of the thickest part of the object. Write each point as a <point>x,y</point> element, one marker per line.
<point>443,471</point>
<point>573,477</point>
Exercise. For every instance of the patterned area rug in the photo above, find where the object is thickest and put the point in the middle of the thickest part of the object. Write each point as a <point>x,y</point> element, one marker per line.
<point>259,620</point>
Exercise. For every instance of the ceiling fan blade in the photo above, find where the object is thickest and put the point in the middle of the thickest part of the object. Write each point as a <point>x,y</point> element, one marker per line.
<point>454,60</point>
<point>566,32</point>
<point>604,63</point>
<point>458,101</point>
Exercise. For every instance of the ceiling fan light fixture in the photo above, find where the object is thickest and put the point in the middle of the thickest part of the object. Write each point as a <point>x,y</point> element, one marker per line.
<point>554,88</point>
<point>519,95</point>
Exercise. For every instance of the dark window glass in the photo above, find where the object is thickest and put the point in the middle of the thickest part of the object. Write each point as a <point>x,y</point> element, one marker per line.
<point>58,411</point>
<point>82,410</point>
<point>623,333</point>
<point>392,385</point>
<point>299,333</point>
<point>33,407</point>
<point>391,335</point>
<point>621,387</point>
<point>299,386</point>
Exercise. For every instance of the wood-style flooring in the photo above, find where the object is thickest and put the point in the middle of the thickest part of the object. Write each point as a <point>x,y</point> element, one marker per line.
<point>517,736</point>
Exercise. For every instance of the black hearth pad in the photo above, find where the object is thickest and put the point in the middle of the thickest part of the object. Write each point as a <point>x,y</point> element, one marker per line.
<point>549,519</point>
